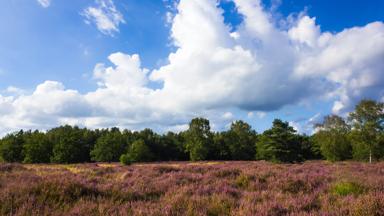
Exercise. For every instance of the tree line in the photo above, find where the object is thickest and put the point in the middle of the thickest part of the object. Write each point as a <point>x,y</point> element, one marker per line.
<point>359,136</point>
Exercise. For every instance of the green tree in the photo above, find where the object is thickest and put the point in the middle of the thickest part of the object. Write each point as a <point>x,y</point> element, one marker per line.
<point>172,147</point>
<point>109,146</point>
<point>138,152</point>
<point>367,124</point>
<point>309,149</point>
<point>89,139</point>
<point>69,145</point>
<point>220,149</point>
<point>332,138</point>
<point>11,147</point>
<point>37,148</point>
<point>153,141</point>
<point>241,140</point>
<point>279,144</point>
<point>198,139</point>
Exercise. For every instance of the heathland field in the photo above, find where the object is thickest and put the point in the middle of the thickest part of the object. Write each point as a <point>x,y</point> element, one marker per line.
<point>203,188</point>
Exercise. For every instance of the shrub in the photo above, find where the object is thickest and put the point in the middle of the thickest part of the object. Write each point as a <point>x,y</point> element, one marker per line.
<point>218,206</point>
<point>139,152</point>
<point>347,188</point>
<point>242,181</point>
<point>11,167</point>
<point>124,159</point>
<point>227,173</point>
<point>372,204</point>
<point>166,169</point>
<point>277,210</point>
<point>295,186</point>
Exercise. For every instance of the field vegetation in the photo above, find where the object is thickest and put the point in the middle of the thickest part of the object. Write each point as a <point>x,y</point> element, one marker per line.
<point>199,188</point>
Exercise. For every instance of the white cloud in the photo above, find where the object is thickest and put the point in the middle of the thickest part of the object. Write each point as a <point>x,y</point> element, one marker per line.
<point>105,16</point>
<point>261,114</point>
<point>352,60</point>
<point>261,68</point>
<point>306,31</point>
<point>228,115</point>
<point>44,3</point>
<point>168,18</point>
<point>12,90</point>
<point>307,126</point>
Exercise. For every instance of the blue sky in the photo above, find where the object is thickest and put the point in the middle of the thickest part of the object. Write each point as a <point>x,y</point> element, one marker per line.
<point>57,44</point>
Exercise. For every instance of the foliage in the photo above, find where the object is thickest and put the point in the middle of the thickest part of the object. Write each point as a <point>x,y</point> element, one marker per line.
<point>279,144</point>
<point>69,145</point>
<point>138,152</point>
<point>345,188</point>
<point>310,150</point>
<point>11,147</point>
<point>332,138</point>
<point>241,140</point>
<point>37,148</point>
<point>368,124</point>
<point>109,146</point>
<point>172,147</point>
<point>125,159</point>
<point>198,139</point>
<point>220,147</point>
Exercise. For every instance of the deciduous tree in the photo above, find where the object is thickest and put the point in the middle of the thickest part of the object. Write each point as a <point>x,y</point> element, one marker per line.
<point>332,138</point>
<point>198,139</point>
<point>368,125</point>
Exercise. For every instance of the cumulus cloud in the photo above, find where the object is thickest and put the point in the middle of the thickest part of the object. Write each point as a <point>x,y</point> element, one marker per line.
<point>44,3</point>
<point>12,90</point>
<point>105,16</point>
<point>351,59</point>
<point>49,103</point>
<point>258,68</point>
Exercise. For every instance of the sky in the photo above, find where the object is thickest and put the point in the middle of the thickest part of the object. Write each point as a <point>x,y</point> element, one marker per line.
<point>158,64</point>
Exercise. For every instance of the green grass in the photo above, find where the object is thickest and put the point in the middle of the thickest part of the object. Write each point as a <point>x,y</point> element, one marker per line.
<point>346,188</point>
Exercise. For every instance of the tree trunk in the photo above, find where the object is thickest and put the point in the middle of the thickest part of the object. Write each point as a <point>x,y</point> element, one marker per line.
<point>370,156</point>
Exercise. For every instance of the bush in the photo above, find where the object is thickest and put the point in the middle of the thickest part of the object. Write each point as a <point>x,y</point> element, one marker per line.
<point>227,173</point>
<point>372,204</point>
<point>295,186</point>
<point>124,159</point>
<point>139,152</point>
<point>242,181</point>
<point>11,167</point>
<point>219,206</point>
<point>347,188</point>
<point>166,169</point>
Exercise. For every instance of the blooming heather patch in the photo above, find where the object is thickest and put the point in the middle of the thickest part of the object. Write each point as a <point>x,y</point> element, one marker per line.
<point>225,188</point>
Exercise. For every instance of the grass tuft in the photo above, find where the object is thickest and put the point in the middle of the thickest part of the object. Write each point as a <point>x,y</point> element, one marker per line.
<point>346,188</point>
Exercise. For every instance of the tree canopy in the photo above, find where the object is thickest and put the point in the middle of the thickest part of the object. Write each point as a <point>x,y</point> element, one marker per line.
<point>359,137</point>
<point>367,135</point>
<point>332,138</point>
<point>198,139</point>
<point>280,143</point>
